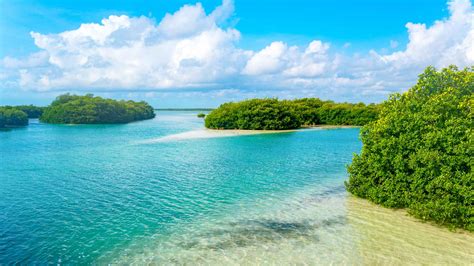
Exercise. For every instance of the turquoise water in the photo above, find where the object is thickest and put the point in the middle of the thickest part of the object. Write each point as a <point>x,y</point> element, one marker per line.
<point>166,191</point>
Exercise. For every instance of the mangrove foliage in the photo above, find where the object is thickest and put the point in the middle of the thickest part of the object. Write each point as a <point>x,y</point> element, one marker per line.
<point>12,117</point>
<point>419,153</point>
<point>274,114</point>
<point>74,109</point>
<point>30,110</point>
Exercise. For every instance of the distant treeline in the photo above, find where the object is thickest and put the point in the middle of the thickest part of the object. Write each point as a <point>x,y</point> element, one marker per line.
<point>14,116</point>
<point>75,109</point>
<point>274,114</point>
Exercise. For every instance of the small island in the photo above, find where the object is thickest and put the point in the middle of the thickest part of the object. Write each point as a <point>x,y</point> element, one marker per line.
<point>87,109</point>
<point>274,114</point>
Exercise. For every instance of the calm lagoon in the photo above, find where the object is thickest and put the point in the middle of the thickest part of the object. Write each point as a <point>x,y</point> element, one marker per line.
<point>166,191</point>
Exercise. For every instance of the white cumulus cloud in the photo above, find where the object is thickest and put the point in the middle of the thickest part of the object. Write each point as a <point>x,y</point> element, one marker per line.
<point>185,49</point>
<point>193,49</point>
<point>446,42</point>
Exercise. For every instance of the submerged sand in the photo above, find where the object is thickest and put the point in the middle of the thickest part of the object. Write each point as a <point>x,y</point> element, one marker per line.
<point>392,237</point>
<point>206,133</point>
<point>311,227</point>
<point>210,133</point>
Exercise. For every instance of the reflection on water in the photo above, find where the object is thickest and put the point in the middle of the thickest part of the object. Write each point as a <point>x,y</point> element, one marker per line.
<point>314,227</point>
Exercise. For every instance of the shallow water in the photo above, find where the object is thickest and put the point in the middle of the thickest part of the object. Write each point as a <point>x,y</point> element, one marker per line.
<point>165,191</point>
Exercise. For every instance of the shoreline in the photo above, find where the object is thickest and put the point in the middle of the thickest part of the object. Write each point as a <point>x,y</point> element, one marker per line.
<point>249,131</point>
<point>406,238</point>
<point>329,126</point>
<point>272,131</point>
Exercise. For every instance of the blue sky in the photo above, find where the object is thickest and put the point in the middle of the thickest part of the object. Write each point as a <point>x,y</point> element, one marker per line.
<point>346,37</point>
<point>366,24</point>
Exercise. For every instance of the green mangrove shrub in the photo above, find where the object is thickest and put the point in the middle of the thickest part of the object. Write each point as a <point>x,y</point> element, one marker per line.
<point>419,153</point>
<point>74,109</point>
<point>12,117</point>
<point>288,114</point>
<point>30,110</point>
<point>265,114</point>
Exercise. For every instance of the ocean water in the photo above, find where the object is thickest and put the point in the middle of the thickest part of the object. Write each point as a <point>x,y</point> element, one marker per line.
<point>166,191</point>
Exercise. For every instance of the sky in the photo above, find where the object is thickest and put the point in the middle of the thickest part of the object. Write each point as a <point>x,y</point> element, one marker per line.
<point>201,54</point>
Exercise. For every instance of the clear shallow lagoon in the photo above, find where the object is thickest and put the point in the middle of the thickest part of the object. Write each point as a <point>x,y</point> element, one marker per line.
<point>165,191</point>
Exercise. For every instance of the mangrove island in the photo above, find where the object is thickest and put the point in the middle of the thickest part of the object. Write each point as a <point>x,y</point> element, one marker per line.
<point>274,114</point>
<point>87,109</point>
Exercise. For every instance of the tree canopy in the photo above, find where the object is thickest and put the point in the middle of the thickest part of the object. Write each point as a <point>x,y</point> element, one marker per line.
<point>74,109</point>
<point>31,110</point>
<point>274,114</point>
<point>419,153</point>
<point>12,117</point>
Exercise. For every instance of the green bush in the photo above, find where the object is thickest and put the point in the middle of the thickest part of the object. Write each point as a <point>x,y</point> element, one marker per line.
<point>11,117</point>
<point>266,114</point>
<point>289,114</point>
<point>419,153</point>
<point>313,111</point>
<point>31,110</point>
<point>201,115</point>
<point>74,109</point>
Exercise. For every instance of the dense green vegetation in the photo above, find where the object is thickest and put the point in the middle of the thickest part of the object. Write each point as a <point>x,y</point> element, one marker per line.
<point>201,115</point>
<point>74,109</point>
<point>313,111</point>
<point>184,109</point>
<point>288,114</point>
<point>12,117</point>
<point>31,110</point>
<point>267,114</point>
<point>419,153</point>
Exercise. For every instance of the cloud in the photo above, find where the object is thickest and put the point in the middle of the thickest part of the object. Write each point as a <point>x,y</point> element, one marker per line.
<point>267,61</point>
<point>185,49</point>
<point>194,49</point>
<point>447,41</point>
<point>278,58</point>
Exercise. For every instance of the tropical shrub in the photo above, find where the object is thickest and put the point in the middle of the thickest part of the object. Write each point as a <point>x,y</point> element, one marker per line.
<point>74,109</point>
<point>31,110</point>
<point>266,114</point>
<point>419,153</point>
<point>289,114</point>
<point>11,117</point>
